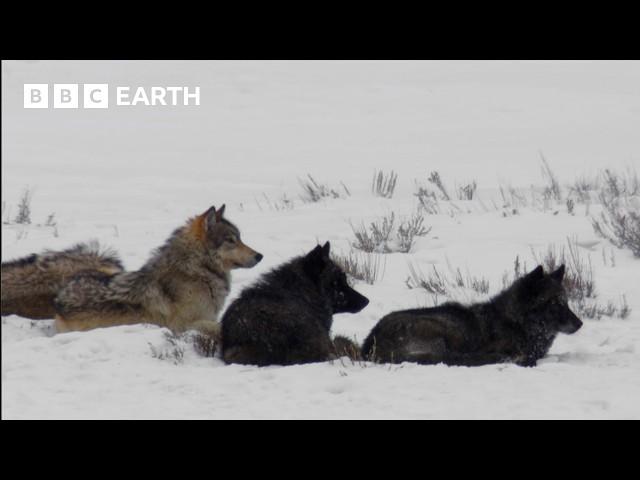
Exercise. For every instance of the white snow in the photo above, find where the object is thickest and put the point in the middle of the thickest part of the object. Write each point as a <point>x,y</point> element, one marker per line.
<point>129,175</point>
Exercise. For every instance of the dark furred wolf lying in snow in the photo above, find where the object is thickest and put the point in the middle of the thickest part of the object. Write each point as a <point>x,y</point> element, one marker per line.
<point>285,318</point>
<point>518,325</point>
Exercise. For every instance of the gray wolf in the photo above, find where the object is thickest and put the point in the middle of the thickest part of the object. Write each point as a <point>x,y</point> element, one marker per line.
<point>182,286</point>
<point>30,284</point>
<point>285,318</point>
<point>518,325</point>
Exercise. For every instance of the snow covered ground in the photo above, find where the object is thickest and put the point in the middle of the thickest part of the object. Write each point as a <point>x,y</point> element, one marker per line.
<point>128,176</point>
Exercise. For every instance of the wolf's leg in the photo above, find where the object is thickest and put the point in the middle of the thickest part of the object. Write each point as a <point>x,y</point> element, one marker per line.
<point>473,359</point>
<point>207,327</point>
<point>529,361</point>
<point>61,325</point>
<point>416,349</point>
<point>319,348</point>
<point>207,337</point>
<point>34,306</point>
<point>108,314</point>
<point>247,355</point>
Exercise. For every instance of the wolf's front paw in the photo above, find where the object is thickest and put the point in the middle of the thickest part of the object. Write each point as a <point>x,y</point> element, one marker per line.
<point>527,362</point>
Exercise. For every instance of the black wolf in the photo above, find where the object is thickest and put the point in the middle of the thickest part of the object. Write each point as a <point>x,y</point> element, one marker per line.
<point>518,325</point>
<point>285,318</point>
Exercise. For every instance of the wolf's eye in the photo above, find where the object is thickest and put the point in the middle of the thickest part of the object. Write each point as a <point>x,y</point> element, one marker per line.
<point>230,240</point>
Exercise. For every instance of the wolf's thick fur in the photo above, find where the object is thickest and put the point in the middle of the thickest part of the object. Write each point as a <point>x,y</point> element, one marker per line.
<point>345,347</point>
<point>30,284</point>
<point>183,286</point>
<point>285,318</point>
<point>518,325</point>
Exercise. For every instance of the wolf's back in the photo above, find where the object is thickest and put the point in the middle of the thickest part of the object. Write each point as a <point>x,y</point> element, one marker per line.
<point>30,284</point>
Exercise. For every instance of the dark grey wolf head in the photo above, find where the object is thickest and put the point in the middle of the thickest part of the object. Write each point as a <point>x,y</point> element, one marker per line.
<point>332,281</point>
<point>224,237</point>
<point>542,299</point>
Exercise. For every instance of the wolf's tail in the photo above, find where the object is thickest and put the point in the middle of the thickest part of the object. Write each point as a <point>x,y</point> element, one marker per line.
<point>30,284</point>
<point>343,346</point>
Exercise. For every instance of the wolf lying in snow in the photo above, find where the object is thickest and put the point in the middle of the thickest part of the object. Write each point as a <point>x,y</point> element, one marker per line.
<point>30,284</point>
<point>518,325</point>
<point>183,286</point>
<point>285,318</point>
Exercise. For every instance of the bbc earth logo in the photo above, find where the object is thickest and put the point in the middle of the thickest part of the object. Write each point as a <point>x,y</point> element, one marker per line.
<point>96,95</point>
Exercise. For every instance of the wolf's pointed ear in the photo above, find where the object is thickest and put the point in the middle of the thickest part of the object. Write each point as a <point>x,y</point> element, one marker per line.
<point>220,213</point>
<point>315,260</point>
<point>537,274</point>
<point>325,249</point>
<point>210,217</point>
<point>314,254</point>
<point>559,273</point>
<point>531,285</point>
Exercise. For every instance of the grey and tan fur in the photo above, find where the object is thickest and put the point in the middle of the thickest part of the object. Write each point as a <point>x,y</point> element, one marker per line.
<point>183,285</point>
<point>30,284</point>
